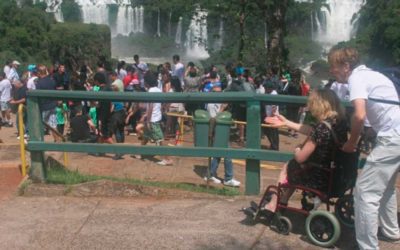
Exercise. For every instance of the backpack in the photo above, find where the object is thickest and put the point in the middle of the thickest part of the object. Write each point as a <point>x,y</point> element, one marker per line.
<point>394,75</point>
<point>345,167</point>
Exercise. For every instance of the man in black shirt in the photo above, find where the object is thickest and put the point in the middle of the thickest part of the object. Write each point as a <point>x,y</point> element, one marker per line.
<point>62,79</point>
<point>81,125</point>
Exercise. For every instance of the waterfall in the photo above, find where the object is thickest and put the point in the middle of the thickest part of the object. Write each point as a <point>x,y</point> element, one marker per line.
<point>129,19</point>
<point>178,36</point>
<point>220,41</point>
<point>196,35</point>
<point>335,24</point>
<point>265,35</point>
<point>158,24</point>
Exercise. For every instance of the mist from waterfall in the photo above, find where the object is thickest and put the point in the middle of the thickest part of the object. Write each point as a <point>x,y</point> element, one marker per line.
<point>335,24</point>
<point>196,35</point>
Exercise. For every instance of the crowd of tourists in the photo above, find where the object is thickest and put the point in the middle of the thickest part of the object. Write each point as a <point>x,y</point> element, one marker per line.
<point>89,121</point>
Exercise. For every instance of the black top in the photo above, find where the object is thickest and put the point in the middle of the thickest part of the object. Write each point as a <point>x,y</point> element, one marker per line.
<point>46,83</point>
<point>80,128</point>
<point>20,93</point>
<point>62,80</point>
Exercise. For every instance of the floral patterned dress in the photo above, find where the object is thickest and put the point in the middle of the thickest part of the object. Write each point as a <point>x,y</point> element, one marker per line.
<point>311,173</point>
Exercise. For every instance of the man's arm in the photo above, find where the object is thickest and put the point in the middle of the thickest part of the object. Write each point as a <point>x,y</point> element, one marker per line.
<point>357,123</point>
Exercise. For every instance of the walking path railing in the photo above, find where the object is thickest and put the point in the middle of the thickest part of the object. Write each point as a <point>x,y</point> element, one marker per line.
<point>252,152</point>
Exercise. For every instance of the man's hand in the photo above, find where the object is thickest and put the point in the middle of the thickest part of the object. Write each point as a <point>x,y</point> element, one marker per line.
<point>349,147</point>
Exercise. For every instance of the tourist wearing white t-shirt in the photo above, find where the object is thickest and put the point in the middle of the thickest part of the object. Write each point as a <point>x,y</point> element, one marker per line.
<point>375,194</point>
<point>152,128</point>
<point>178,69</point>
<point>5,97</point>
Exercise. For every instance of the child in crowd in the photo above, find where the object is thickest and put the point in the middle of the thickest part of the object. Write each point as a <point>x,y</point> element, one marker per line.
<point>61,114</point>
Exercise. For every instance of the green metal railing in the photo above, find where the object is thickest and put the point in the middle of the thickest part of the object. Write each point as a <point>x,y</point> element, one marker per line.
<point>252,153</point>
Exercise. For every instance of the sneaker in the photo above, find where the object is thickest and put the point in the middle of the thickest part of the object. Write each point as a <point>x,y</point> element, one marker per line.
<point>213,180</point>
<point>232,183</point>
<point>164,163</point>
<point>383,237</point>
<point>139,157</point>
<point>117,157</point>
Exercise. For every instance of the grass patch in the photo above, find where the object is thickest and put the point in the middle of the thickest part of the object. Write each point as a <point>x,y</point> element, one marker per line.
<point>23,186</point>
<point>61,175</point>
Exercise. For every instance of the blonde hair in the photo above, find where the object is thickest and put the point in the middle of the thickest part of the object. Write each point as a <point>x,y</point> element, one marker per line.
<point>42,70</point>
<point>340,56</point>
<point>324,103</point>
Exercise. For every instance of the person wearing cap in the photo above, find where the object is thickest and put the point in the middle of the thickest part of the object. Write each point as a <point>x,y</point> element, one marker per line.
<point>32,80</point>
<point>13,75</point>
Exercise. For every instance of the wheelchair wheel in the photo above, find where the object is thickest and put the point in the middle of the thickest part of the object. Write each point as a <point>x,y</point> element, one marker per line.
<point>322,228</point>
<point>344,210</point>
<point>284,225</point>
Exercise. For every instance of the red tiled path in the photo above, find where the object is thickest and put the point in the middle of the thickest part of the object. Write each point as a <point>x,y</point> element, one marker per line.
<point>10,178</point>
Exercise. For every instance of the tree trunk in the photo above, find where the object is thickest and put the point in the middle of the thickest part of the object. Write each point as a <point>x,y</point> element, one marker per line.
<point>277,15</point>
<point>241,29</point>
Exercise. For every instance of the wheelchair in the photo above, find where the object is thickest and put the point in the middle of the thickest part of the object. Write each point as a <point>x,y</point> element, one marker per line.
<point>322,226</point>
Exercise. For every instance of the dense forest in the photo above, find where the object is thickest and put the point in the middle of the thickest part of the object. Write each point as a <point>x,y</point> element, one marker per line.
<point>32,35</point>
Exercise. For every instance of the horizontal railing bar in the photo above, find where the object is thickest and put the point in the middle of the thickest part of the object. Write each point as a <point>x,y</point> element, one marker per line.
<point>170,97</point>
<point>235,153</point>
<point>142,96</point>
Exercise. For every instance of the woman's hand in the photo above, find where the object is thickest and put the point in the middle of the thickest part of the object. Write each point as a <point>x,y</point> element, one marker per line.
<point>276,121</point>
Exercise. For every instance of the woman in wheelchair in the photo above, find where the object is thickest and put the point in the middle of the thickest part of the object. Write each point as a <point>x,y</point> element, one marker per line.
<point>315,154</point>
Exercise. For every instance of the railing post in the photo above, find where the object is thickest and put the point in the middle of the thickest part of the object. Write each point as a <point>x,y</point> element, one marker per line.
<point>253,137</point>
<point>37,170</point>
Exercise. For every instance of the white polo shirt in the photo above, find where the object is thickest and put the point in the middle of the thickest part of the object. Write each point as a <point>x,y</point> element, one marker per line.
<point>156,114</point>
<point>364,83</point>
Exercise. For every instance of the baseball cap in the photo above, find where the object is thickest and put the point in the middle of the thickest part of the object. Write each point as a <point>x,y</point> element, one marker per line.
<point>32,68</point>
<point>16,62</point>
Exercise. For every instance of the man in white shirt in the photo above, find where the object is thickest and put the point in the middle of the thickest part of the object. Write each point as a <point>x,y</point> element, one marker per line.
<point>271,110</point>
<point>5,97</point>
<point>33,78</point>
<point>13,75</point>
<point>178,69</point>
<point>375,194</point>
<point>153,116</point>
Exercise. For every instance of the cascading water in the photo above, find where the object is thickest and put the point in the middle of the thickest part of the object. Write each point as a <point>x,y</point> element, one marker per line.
<point>220,40</point>
<point>178,35</point>
<point>336,24</point>
<point>129,19</point>
<point>196,35</point>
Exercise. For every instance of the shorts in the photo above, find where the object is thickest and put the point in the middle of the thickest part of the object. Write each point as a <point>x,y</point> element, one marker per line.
<point>49,117</point>
<point>4,106</point>
<point>154,132</point>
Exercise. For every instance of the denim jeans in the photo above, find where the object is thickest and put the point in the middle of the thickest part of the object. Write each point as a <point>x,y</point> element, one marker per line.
<point>227,166</point>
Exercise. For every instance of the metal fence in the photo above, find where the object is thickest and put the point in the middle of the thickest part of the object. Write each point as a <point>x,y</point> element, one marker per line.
<point>252,152</point>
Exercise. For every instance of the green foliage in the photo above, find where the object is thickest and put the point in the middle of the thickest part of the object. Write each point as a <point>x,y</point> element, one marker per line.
<point>31,35</point>
<point>76,43</point>
<point>378,36</point>
<point>71,11</point>
<point>61,175</point>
